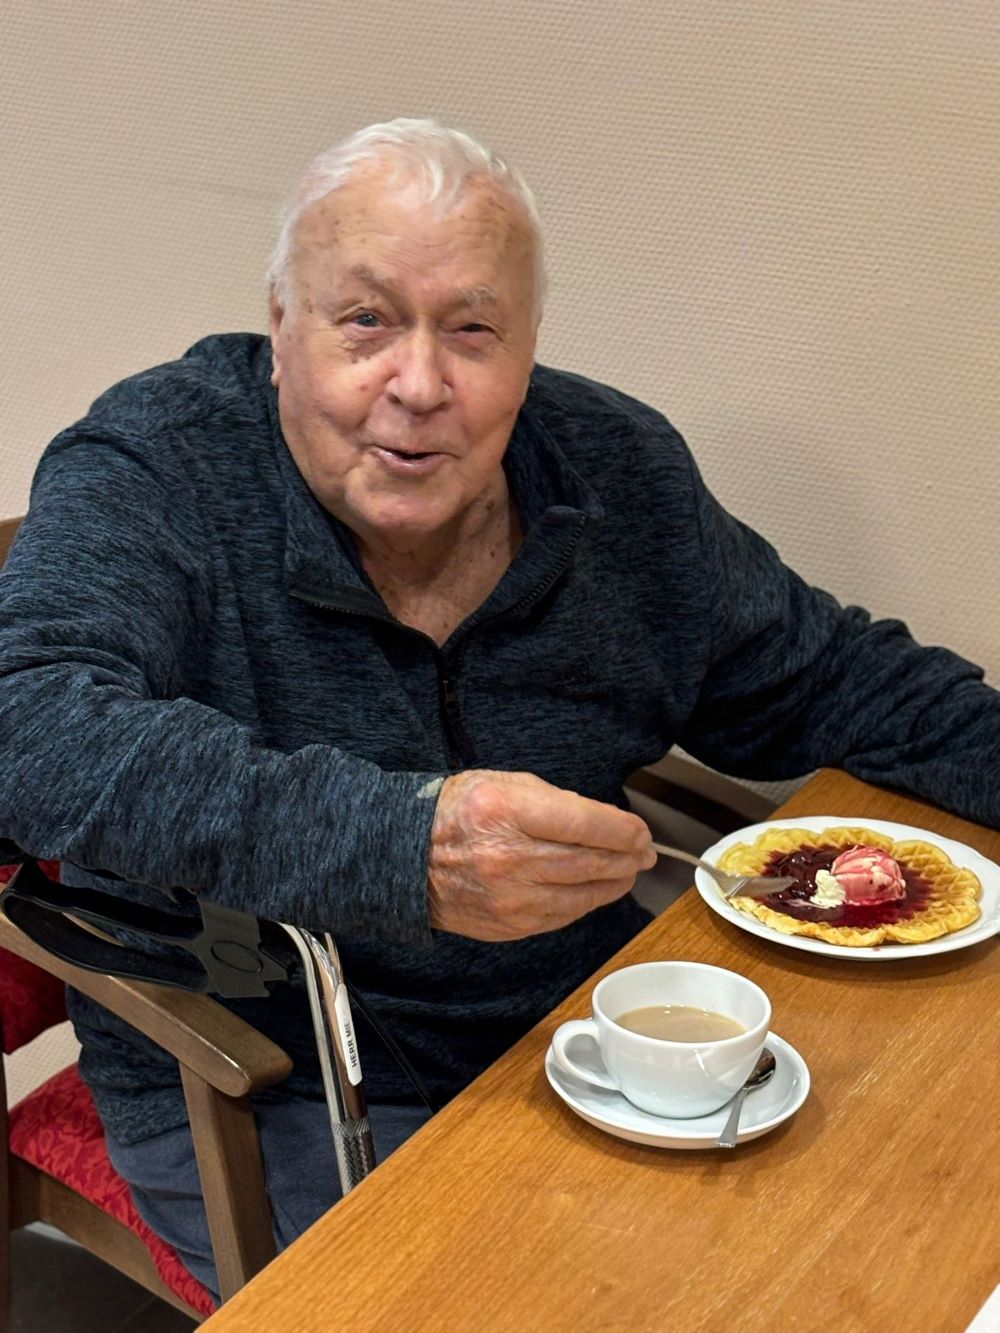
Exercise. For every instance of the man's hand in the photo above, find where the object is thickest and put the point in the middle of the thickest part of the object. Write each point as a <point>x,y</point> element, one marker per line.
<point>511,855</point>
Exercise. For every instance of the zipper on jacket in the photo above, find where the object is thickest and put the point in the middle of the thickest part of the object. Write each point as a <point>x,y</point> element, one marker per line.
<point>457,746</point>
<point>456,743</point>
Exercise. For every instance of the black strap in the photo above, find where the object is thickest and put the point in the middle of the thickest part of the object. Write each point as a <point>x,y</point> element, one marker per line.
<point>60,936</point>
<point>223,952</point>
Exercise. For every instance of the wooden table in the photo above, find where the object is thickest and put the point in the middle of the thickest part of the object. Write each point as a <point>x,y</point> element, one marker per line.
<point>876,1207</point>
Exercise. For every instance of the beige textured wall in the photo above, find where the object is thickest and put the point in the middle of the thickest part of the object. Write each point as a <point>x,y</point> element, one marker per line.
<point>776,221</point>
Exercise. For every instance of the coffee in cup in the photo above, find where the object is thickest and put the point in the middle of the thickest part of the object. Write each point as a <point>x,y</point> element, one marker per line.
<point>679,1022</point>
<point>677,1039</point>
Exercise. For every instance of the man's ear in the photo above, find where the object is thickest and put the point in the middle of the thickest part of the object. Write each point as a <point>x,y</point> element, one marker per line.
<point>275,318</point>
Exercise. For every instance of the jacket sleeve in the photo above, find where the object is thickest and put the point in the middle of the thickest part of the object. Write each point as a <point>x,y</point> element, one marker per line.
<point>107,765</point>
<point>795,681</point>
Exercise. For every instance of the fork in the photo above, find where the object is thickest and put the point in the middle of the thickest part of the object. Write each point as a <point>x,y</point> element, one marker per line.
<point>754,886</point>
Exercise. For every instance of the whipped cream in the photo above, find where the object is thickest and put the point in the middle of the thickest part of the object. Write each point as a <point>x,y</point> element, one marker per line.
<point>829,890</point>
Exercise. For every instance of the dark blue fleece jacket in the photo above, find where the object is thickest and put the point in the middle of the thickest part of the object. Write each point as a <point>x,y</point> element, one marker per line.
<point>200,688</point>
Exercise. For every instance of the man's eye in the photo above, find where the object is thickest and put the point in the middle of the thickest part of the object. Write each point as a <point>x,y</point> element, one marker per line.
<point>474,328</point>
<point>366,319</point>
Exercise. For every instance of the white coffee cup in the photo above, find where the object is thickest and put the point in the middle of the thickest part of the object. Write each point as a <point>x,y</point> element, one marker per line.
<point>681,1079</point>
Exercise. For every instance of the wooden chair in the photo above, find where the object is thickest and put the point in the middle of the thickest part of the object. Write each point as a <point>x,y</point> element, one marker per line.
<point>8,531</point>
<point>222,1062</point>
<point>702,794</point>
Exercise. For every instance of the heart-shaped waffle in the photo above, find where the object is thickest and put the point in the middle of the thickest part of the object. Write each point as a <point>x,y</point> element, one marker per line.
<point>941,896</point>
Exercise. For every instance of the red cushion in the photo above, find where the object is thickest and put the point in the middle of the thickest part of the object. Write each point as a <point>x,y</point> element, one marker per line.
<point>57,1129</point>
<point>30,1000</point>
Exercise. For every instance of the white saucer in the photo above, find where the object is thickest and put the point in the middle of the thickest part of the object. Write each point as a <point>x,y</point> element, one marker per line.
<point>764,1109</point>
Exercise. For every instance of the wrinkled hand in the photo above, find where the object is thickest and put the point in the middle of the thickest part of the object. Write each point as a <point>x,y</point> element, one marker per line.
<point>511,855</point>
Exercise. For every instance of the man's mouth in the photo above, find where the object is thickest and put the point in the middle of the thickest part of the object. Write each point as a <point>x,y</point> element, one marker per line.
<point>407,460</point>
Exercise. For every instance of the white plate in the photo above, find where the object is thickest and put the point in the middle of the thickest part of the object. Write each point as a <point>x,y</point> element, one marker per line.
<point>987,872</point>
<point>763,1109</point>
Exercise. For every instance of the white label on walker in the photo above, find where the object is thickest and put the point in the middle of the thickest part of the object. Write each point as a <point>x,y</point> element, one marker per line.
<point>348,1041</point>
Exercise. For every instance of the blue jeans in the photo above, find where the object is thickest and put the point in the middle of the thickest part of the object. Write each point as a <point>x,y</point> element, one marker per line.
<point>299,1164</point>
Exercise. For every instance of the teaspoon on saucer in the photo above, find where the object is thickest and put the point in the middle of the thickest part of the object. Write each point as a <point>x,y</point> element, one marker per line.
<point>759,1075</point>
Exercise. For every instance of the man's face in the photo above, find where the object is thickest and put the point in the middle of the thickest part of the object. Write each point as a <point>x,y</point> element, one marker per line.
<point>404,352</point>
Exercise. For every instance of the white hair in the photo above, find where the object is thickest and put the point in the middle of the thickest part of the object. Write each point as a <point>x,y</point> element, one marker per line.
<point>441,160</point>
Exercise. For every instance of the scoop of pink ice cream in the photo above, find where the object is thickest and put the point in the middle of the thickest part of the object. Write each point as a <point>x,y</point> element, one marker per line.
<point>868,875</point>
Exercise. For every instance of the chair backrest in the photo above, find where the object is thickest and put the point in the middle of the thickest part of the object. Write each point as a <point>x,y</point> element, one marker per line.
<point>8,531</point>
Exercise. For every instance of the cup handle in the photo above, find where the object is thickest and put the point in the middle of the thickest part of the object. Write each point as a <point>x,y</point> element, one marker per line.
<point>563,1035</point>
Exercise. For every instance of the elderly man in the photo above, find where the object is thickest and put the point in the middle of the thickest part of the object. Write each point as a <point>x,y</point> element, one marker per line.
<point>364,625</point>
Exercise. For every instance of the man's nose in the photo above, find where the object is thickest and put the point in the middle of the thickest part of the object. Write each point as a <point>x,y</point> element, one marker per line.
<point>420,383</point>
